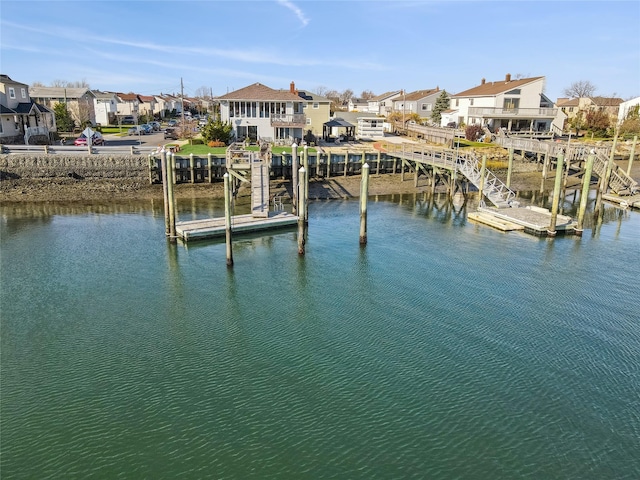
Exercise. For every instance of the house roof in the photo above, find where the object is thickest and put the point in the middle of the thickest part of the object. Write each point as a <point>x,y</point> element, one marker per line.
<point>488,89</point>
<point>310,96</point>
<point>606,101</point>
<point>6,79</point>
<point>58,92</point>
<point>128,97</point>
<point>338,122</point>
<point>418,94</point>
<point>384,96</point>
<point>103,95</point>
<point>6,110</point>
<point>258,91</point>
<point>572,102</point>
<point>147,98</point>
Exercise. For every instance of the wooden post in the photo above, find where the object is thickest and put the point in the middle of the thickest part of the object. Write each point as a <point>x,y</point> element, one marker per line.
<point>403,161</point>
<point>346,162</point>
<point>510,168</point>
<point>165,190</point>
<point>151,165</point>
<point>545,166</point>
<point>305,158</point>
<point>378,164</point>
<point>364,193</point>
<point>328,163</point>
<point>556,196</point>
<point>227,218</point>
<point>172,205</point>
<point>192,168</point>
<point>633,152</point>
<point>584,195</point>
<point>301,209</point>
<point>483,169</point>
<point>210,167</point>
<point>294,177</point>
<point>610,164</point>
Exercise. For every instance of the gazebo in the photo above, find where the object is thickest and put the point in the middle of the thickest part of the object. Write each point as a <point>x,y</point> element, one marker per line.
<point>337,124</point>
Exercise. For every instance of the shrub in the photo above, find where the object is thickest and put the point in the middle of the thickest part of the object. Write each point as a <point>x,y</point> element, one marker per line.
<point>216,143</point>
<point>473,132</point>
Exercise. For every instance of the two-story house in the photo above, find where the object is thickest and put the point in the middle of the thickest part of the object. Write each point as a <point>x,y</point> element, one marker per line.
<point>106,107</point>
<point>419,101</point>
<point>129,105</point>
<point>382,104</point>
<point>510,104</point>
<point>358,105</point>
<point>580,106</point>
<point>317,110</point>
<point>259,112</point>
<point>80,101</point>
<point>21,119</point>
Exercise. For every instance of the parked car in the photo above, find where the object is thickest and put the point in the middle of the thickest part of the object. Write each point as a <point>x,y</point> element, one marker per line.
<point>137,130</point>
<point>147,128</point>
<point>155,126</point>
<point>81,141</point>
<point>128,120</point>
<point>172,123</point>
<point>171,133</point>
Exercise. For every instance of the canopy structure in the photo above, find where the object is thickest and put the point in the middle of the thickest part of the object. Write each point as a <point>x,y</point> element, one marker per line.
<point>337,124</point>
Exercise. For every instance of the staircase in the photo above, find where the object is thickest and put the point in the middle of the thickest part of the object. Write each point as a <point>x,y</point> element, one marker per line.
<point>619,182</point>
<point>494,189</point>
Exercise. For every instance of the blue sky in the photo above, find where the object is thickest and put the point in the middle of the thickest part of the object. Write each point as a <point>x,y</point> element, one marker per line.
<point>147,47</point>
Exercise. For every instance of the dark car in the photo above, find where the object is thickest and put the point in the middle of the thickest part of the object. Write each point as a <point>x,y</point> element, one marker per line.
<point>171,133</point>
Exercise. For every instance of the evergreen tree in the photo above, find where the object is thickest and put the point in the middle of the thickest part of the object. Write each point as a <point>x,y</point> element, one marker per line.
<point>64,122</point>
<point>442,104</point>
<point>216,130</point>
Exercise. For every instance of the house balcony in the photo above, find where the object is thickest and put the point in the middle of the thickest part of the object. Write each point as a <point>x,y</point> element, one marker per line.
<point>523,113</point>
<point>294,120</point>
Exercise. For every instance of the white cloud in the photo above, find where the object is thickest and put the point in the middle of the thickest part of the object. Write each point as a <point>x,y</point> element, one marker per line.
<point>295,9</point>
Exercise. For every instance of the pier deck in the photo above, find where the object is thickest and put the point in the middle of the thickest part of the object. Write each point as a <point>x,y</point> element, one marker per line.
<point>624,201</point>
<point>215,227</point>
<point>532,220</point>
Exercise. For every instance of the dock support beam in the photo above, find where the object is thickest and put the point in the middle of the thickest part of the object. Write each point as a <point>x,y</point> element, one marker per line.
<point>294,177</point>
<point>227,218</point>
<point>633,152</point>
<point>305,164</point>
<point>301,209</point>
<point>483,169</point>
<point>364,194</point>
<point>556,196</point>
<point>165,190</point>
<point>584,195</point>
<point>510,168</point>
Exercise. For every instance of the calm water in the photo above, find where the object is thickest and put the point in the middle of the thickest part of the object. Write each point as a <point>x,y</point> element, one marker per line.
<point>442,350</point>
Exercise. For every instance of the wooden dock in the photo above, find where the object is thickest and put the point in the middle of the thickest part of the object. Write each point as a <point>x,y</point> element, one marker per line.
<point>623,201</point>
<point>215,227</point>
<point>533,220</point>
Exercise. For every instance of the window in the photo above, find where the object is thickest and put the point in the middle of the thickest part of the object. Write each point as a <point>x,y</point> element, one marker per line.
<point>1,126</point>
<point>23,91</point>
<point>308,121</point>
<point>515,91</point>
<point>511,103</point>
<point>471,102</point>
<point>457,102</point>
<point>316,105</point>
<point>12,92</point>
<point>426,107</point>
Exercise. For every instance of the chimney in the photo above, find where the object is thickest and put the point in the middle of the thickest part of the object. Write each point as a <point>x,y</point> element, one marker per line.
<point>292,87</point>
<point>483,81</point>
<point>507,78</point>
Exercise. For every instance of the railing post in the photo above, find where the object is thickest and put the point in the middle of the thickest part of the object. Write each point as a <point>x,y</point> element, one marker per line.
<point>210,167</point>
<point>633,152</point>
<point>584,195</point>
<point>192,168</point>
<point>510,167</point>
<point>556,196</point>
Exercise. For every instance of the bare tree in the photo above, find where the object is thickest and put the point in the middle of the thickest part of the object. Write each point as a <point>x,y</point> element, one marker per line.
<point>367,95</point>
<point>66,84</point>
<point>321,90</point>
<point>580,89</point>
<point>345,96</point>
<point>202,92</point>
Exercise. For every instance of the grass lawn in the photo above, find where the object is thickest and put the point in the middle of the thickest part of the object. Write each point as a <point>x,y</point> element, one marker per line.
<point>204,149</point>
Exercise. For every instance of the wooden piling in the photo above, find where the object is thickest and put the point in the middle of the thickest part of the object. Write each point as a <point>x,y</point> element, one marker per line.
<point>328,164</point>
<point>556,196</point>
<point>545,166</point>
<point>364,194</point>
<point>378,163</point>
<point>301,209</point>
<point>210,167</point>
<point>165,190</point>
<point>305,164</point>
<point>509,168</point>
<point>483,169</point>
<point>227,218</point>
<point>346,162</point>
<point>172,203</point>
<point>192,168</point>
<point>294,177</point>
<point>633,152</point>
<point>584,194</point>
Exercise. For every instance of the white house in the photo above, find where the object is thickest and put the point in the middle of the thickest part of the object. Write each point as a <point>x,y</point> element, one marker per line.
<point>513,104</point>
<point>382,104</point>
<point>106,107</point>
<point>419,101</point>
<point>258,111</point>
<point>625,108</point>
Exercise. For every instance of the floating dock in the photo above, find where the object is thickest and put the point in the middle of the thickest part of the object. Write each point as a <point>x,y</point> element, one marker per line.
<point>623,201</point>
<point>215,227</point>
<point>533,220</point>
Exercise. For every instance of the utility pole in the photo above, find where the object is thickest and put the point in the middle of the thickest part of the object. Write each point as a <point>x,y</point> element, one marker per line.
<point>182,101</point>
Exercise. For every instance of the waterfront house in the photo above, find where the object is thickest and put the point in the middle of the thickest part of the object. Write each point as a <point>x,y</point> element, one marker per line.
<point>128,106</point>
<point>147,106</point>
<point>356,125</point>
<point>260,112</point>
<point>419,101</point>
<point>626,107</point>
<point>22,120</point>
<point>382,104</point>
<point>358,105</point>
<point>508,104</point>
<point>317,110</point>
<point>80,101</point>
